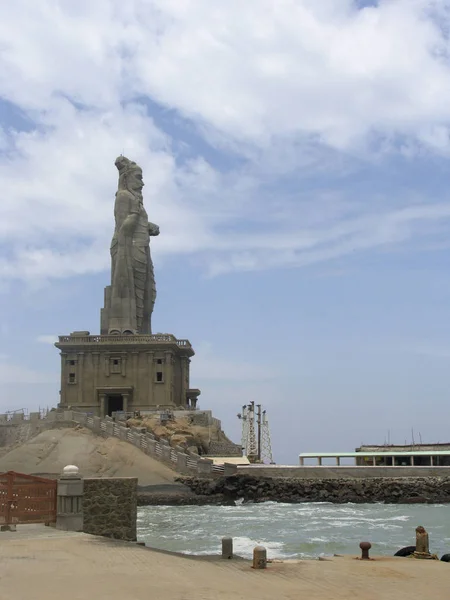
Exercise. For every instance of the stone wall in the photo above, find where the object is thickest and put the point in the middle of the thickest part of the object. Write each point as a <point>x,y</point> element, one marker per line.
<point>14,433</point>
<point>224,449</point>
<point>110,507</point>
<point>262,489</point>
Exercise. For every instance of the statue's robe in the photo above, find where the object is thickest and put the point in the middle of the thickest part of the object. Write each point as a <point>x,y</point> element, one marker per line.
<point>133,290</point>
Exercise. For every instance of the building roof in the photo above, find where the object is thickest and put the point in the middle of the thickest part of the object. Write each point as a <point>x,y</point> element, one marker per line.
<point>372,454</point>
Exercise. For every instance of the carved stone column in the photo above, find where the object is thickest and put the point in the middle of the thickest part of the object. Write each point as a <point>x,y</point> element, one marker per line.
<point>125,399</point>
<point>184,379</point>
<point>137,387</point>
<point>150,376</point>
<point>80,369</point>
<point>169,377</point>
<point>63,398</point>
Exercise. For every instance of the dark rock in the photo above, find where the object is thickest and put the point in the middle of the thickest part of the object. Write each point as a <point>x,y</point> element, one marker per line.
<point>406,551</point>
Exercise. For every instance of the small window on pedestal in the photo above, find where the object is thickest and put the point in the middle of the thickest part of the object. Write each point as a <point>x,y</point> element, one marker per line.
<point>159,361</point>
<point>116,365</point>
<point>72,378</point>
<point>159,377</point>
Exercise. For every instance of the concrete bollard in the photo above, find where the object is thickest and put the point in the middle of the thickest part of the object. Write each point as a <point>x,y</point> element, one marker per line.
<point>422,542</point>
<point>227,547</point>
<point>365,547</point>
<point>259,557</point>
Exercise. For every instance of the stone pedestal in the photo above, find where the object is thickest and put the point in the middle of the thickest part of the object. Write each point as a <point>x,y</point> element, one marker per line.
<point>106,374</point>
<point>69,511</point>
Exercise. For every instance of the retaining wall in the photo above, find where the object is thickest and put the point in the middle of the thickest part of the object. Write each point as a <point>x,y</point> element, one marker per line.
<point>110,507</point>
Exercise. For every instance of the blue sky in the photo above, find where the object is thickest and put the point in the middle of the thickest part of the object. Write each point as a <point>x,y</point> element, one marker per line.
<point>296,157</point>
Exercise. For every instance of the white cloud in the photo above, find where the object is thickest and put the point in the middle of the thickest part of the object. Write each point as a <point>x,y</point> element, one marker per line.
<point>258,69</point>
<point>279,87</point>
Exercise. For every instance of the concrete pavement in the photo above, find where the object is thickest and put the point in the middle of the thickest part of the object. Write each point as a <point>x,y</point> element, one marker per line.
<point>40,563</point>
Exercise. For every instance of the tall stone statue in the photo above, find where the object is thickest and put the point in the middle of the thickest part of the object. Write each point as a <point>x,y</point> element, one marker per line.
<point>130,298</point>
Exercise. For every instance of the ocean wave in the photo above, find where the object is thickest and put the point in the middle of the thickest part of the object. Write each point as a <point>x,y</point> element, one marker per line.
<point>287,530</point>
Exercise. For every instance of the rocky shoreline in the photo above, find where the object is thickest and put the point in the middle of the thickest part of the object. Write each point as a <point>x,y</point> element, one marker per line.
<point>226,490</point>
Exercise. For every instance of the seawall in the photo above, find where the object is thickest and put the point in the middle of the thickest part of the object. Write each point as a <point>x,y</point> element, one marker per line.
<point>342,490</point>
<point>324,472</point>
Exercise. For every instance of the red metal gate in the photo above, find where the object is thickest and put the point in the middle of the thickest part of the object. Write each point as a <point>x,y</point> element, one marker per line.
<point>27,499</point>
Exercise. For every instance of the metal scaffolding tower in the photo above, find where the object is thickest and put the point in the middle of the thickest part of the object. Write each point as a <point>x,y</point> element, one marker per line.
<point>256,443</point>
<point>266,445</point>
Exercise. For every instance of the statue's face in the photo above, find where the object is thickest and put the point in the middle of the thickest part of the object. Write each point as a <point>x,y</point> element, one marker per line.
<point>135,182</point>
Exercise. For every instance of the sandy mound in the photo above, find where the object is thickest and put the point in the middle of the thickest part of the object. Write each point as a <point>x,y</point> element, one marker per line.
<point>50,451</point>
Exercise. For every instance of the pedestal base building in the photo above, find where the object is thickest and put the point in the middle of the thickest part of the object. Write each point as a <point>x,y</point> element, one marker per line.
<point>126,368</point>
<point>102,374</point>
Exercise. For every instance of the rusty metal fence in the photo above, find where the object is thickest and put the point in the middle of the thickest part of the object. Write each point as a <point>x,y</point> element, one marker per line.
<point>27,499</point>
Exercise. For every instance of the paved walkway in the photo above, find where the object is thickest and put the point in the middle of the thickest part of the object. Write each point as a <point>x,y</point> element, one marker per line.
<point>40,563</point>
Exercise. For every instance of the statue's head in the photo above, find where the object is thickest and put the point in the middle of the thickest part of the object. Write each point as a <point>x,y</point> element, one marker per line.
<point>130,175</point>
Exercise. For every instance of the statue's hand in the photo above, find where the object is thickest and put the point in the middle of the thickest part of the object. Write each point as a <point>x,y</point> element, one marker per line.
<point>153,229</point>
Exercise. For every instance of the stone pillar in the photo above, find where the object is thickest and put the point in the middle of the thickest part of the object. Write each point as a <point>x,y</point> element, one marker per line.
<point>150,376</point>
<point>102,397</point>
<point>169,378</point>
<point>135,371</point>
<point>63,391</point>
<point>151,446</point>
<point>95,370</point>
<point>69,515</point>
<point>204,466</point>
<point>229,469</point>
<point>182,462</point>
<point>125,398</point>
<point>97,425</point>
<point>184,380</point>
<point>79,377</point>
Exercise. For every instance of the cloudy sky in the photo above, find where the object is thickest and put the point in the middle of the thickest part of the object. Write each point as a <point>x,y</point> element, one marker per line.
<point>296,157</point>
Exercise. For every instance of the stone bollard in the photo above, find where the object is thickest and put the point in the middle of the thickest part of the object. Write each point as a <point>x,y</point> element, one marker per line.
<point>365,547</point>
<point>259,557</point>
<point>227,547</point>
<point>69,511</point>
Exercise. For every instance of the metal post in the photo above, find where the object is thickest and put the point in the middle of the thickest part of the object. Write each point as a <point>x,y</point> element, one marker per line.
<point>365,547</point>
<point>259,431</point>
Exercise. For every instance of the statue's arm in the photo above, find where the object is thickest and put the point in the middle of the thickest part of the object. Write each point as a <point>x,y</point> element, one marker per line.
<point>132,218</point>
<point>153,229</point>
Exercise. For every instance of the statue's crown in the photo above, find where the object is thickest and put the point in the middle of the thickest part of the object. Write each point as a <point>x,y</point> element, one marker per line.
<point>124,164</point>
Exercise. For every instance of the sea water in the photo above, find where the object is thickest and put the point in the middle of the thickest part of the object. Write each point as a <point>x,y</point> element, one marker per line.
<point>305,530</point>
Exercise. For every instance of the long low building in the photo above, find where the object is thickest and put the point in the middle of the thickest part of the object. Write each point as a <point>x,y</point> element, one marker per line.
<point>418,458</point>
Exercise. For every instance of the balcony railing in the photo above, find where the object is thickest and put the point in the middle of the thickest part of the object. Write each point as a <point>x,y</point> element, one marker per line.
<point>122,339</point>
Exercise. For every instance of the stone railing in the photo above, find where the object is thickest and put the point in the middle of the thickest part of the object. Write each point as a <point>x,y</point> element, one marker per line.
<point>177,458</point>
<point>120,339</point>
<point>13,418</point>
